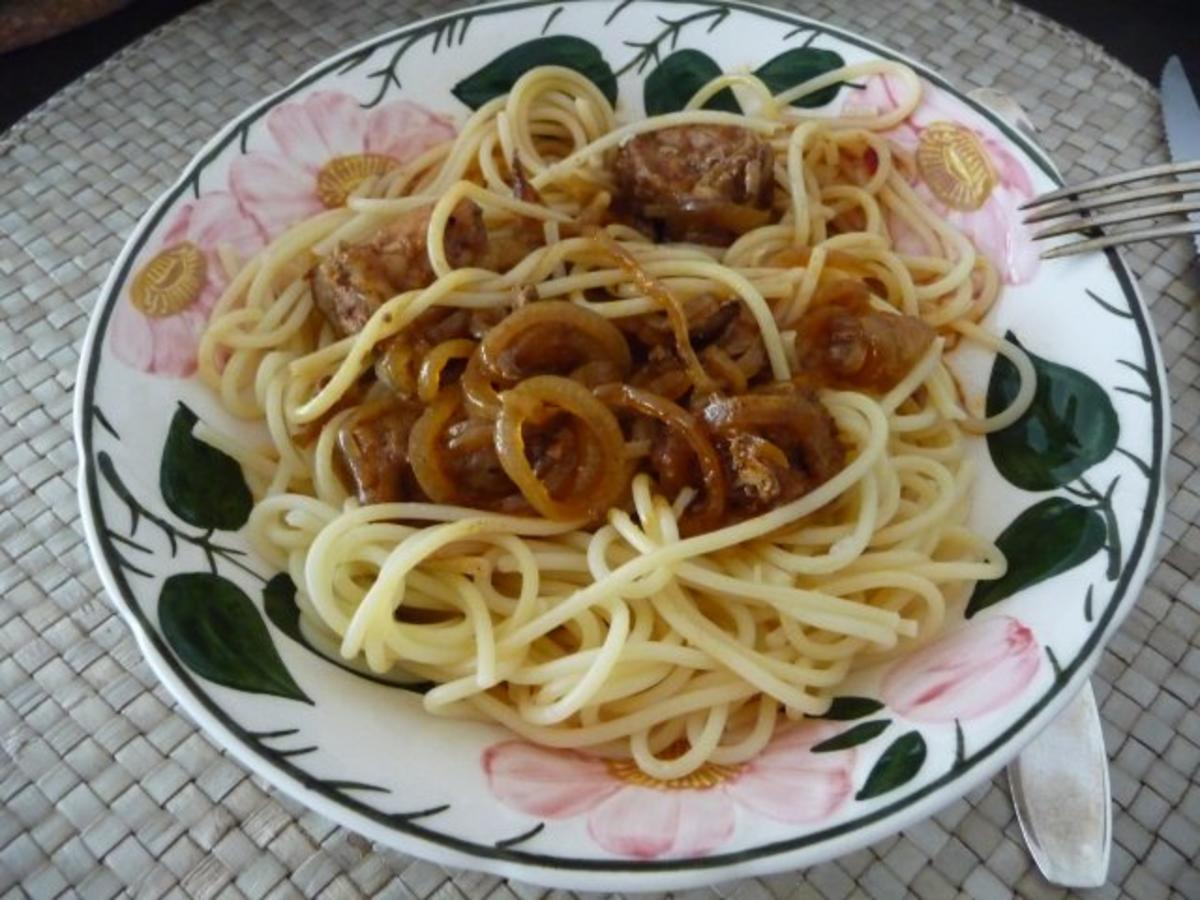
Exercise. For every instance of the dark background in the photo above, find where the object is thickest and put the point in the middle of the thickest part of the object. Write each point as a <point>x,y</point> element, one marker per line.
<point>1140,33</point>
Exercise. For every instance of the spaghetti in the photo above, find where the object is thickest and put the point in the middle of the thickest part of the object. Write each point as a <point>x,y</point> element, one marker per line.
<point>634,438</point>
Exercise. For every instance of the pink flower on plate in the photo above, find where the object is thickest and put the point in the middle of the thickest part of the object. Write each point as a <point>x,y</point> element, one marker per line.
<point>972,671</point>
<point>327,145</point>
<point>965,172</point>
<point>156,326</point>
<point>631,814</point>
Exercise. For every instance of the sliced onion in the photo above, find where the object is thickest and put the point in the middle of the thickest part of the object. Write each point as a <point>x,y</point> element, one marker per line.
<point>698,517</point>
<point>725,367</point>
<point>448,454</point>
<point>602,475</point>
<point>670,304</point>
<point>426,451</point>
<point>479,393</point>
<point>551,337</point>
<point>788,417</point>
<point>429,376</point>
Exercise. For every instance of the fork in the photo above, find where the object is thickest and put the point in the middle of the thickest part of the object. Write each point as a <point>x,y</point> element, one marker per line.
<point>1084,220</point>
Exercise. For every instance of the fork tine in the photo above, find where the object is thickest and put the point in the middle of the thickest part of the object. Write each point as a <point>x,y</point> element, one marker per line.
<point>1116,218</point>
<point>1063,208</point>
<point>1108,181</point>
<point>1126,237</point>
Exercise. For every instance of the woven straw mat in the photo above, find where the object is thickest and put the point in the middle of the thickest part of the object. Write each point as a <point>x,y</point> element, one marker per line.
<point>105,789</point>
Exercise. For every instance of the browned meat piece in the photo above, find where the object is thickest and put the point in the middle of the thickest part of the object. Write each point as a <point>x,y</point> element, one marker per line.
<point>403,248</point>
<point>776,445</point>
<point>760,470</point>
<point>842,342</point>
<point>702,183</point>
<point>356,279</point>
<point>348,286</point>
<point>477,472</point>
<point>555,448</point>
<point>508,246</point>
<point>373,447</point>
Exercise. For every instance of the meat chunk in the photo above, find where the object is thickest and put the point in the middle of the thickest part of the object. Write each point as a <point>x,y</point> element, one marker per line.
<point>842,342</point>
<point>472,463</point>
<point>702,183</point>
<point>373,449</point>
<point>776,445</point>
<point>404,251</point>
<point>760,472</point>
<point>556,450</point>
<point>356,279</point>
<point>348,286</point>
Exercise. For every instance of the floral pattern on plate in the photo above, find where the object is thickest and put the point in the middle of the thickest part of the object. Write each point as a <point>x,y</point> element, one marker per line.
<point>964,170</point>
<point>631,814</point>
<point>169,300</point>
<point>325,146</point>
<point>976,669</point>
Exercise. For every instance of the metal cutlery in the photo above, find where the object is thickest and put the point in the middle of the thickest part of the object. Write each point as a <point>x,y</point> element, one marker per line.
<point>1079,203</point>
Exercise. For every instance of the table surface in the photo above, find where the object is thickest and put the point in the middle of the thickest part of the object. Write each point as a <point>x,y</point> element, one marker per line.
<point>1159,32</point>
<point>106,789</point>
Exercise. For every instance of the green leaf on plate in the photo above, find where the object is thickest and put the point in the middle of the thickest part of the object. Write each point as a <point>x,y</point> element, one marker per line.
<point>200,484</point>
<point>852,737</point>
<point>1050,537</point>
<point>900,762</point>
<point>846,709</point>
<point>793,67</point>
<point>279,603</point>
<point>497,77</point>
<point>216,631</point>
<point>677,78</point>
<point>1070,427</point>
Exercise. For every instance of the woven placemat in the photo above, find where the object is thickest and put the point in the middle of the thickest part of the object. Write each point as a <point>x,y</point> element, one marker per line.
<point>106,789</point>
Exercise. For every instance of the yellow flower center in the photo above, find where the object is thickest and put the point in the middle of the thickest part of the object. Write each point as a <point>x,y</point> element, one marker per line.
<point>704,778</point>
<point>953,162</point>
<point>170,282</point>
<point>342,174</point>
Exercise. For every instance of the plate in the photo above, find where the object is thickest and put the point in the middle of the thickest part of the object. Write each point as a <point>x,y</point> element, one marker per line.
<point>1072,492</point>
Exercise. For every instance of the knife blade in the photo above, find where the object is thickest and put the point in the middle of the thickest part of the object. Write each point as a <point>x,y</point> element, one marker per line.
<point>1059,782</point>
<point>1181,118</point>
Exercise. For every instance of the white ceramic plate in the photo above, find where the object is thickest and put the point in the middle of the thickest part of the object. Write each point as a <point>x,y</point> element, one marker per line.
<point>1074,490</point>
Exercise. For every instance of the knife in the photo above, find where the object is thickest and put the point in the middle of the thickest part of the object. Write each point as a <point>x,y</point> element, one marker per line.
<point>1181,117</point>
<point>1059,782</point>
